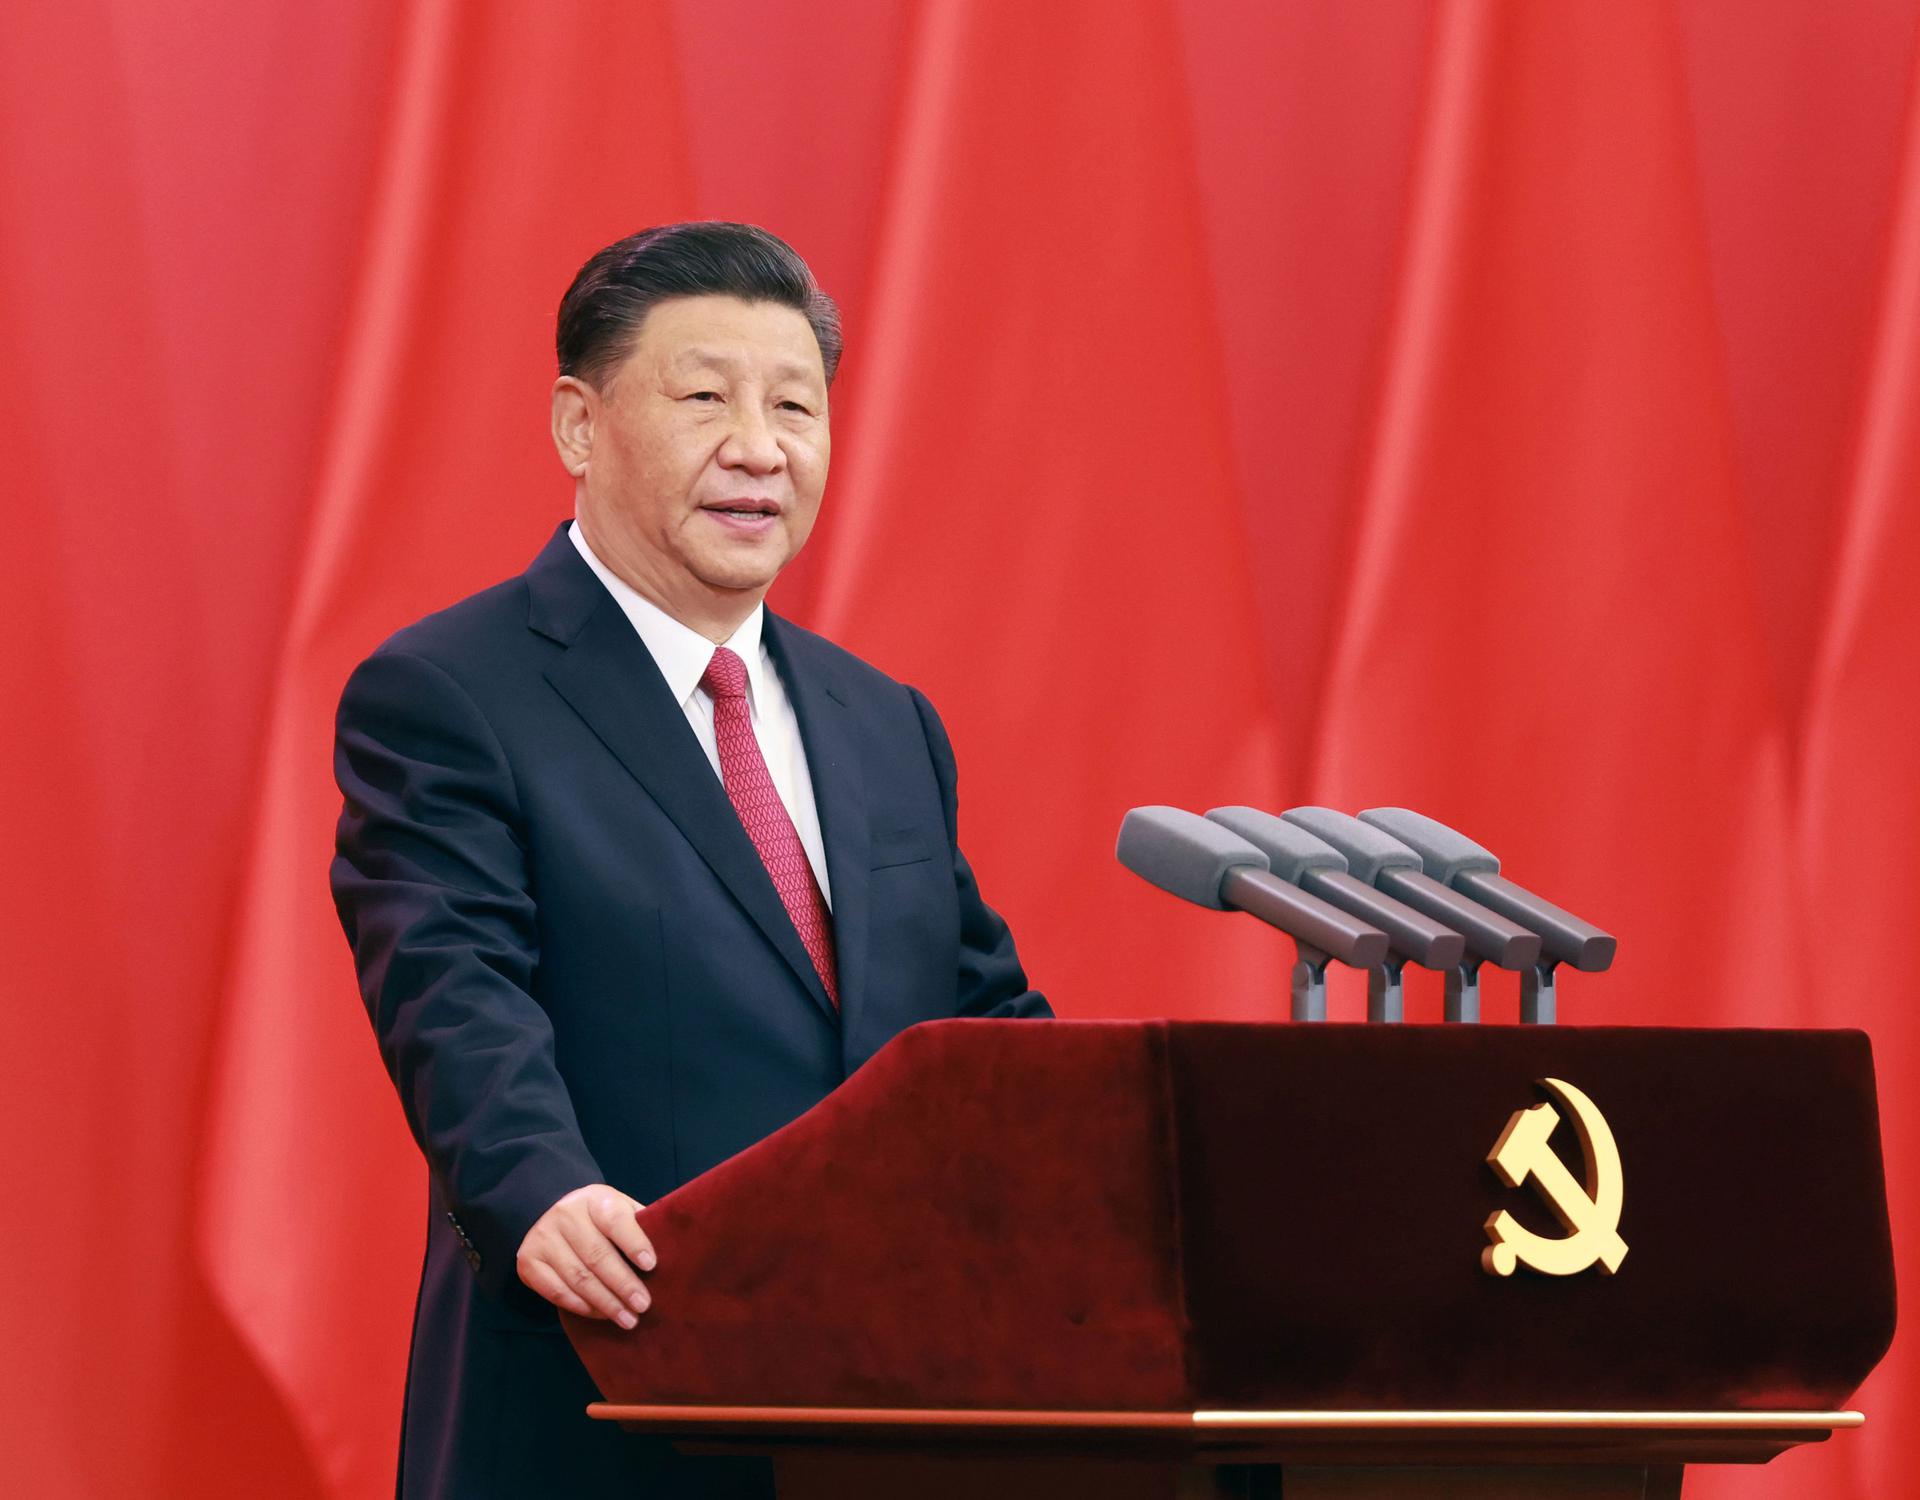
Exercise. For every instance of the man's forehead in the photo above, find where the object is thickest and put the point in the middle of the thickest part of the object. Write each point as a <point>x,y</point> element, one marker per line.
<point>705,357</point>
<point>729,333</point>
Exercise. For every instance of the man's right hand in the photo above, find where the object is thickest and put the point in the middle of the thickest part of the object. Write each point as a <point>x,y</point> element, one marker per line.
<point>580,1255</point>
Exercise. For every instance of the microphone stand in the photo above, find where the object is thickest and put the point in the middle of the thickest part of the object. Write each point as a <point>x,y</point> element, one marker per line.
<point>1463,991</point>
<point>1384,1002</point>
<point>1309,983</point>
<point>1537,1007</point>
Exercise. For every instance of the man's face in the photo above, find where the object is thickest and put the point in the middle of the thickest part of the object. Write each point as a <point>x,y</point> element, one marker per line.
<point>705,454</point>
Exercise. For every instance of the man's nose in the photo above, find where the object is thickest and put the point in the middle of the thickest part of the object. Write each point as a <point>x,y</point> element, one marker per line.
<point>751,444</point>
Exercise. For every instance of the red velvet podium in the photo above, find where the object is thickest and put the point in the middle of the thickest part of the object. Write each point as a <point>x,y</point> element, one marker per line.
<point>1160,1258</point>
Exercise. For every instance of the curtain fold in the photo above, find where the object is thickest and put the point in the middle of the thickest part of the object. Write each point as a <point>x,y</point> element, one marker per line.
<point>1038,526</point>
<point>1548,634</point>
<point>1859,824</point>
<point>313,1200</point>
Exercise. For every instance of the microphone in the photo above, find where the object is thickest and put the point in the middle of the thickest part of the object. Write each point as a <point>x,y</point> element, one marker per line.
<point>1320,869</point>
<point>1184,854</point>
<point>1455,860</point>
<point>1383,861</point>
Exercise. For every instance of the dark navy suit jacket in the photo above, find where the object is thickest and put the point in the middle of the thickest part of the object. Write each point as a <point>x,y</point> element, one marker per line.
<point>579,971</point>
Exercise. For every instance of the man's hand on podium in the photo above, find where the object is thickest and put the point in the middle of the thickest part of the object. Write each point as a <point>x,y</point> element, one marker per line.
<point>577,1255</point>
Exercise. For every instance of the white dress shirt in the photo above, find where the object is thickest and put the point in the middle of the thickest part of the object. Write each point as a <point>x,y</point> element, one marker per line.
<point>682,655</point>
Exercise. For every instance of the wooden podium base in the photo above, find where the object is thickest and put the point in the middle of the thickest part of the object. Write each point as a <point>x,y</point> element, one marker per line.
<point>838,1476</point>
<point>851,1454</point>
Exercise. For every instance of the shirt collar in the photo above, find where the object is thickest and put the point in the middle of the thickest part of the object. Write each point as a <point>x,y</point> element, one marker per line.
<point>680,652</point>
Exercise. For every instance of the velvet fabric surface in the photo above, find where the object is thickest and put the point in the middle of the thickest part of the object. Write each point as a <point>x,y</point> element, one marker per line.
<point>968,1221</point>
<point>1175,1215</point>
<point>1335,1184</point>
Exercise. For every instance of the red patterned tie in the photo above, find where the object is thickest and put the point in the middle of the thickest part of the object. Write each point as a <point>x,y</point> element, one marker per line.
<point>764,815</point>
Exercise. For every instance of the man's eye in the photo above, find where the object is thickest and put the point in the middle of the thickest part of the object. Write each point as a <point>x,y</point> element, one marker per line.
<point>703,396</point>
<point>805,411</point>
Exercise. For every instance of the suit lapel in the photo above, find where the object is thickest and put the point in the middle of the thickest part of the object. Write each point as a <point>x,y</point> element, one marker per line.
<point>609,678</point>
<point>822,703</point>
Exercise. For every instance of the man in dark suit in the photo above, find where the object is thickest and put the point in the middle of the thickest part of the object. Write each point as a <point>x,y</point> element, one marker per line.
<point>634,871</point>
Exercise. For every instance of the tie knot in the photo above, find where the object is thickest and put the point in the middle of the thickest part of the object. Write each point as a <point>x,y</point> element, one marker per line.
<point>726,675</point>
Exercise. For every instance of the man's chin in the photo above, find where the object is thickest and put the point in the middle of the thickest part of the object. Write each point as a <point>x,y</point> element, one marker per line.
<point>740,576</point>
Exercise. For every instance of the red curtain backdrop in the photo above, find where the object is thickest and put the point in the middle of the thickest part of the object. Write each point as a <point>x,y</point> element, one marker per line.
<point>1511,410</point>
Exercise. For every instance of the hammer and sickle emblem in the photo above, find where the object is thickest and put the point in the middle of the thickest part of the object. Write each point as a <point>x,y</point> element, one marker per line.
<point>1591,1214</point>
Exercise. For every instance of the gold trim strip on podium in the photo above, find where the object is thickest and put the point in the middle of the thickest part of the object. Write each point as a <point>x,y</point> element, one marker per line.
<point>1736,1421</point>
<point>893,1416</point>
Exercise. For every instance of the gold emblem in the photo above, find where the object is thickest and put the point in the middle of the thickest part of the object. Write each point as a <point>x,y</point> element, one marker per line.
<point>1590,1214</point>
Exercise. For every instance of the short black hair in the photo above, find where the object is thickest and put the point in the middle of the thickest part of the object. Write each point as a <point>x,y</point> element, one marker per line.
<point>602,312</point>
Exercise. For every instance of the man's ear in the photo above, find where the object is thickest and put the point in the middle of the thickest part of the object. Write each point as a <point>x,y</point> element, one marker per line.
<point>575,406</point>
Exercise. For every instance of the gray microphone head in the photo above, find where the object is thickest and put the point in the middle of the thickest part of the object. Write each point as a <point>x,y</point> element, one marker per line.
<point>1181,852</point>
<point>1443,853</point>
<point>1368,850</point>
<point>1290,851</point>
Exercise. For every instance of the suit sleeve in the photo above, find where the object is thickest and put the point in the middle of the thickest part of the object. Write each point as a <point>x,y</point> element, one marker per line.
<point>991,982</point>
<point>432,885</point>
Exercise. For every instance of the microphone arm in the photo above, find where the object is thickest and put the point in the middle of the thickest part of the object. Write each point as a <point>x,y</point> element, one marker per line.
<point>1198,861</point>
<point>1319,869</point>
<point>1456,861</point>
<point>1320,931</point>
<point>1385,862</point>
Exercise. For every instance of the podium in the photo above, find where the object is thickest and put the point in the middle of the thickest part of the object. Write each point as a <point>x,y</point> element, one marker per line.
<point>1013,1259</point>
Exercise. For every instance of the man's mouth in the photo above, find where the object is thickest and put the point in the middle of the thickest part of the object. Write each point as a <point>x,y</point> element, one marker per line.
<point>746,509</point>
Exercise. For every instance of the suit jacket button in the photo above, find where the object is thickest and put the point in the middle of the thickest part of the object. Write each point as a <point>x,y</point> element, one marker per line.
<point>473,1256</point>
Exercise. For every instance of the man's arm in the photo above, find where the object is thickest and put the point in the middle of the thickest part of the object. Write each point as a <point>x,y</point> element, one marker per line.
<point>430,879</point>
<point>991,981</point>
